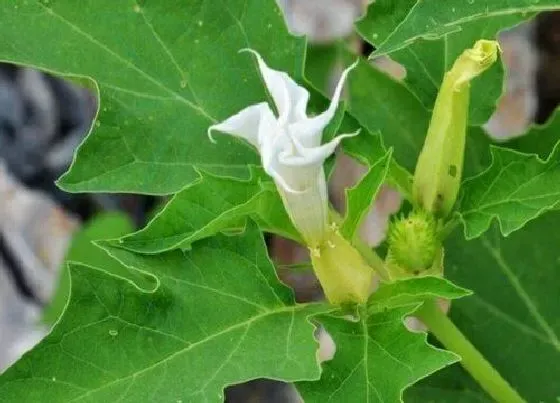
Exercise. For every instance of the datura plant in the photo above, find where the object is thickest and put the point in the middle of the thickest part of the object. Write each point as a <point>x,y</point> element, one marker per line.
<point>216,106</point>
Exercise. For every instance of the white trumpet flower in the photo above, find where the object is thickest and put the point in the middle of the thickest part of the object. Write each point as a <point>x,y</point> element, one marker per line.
<point>290,147</point>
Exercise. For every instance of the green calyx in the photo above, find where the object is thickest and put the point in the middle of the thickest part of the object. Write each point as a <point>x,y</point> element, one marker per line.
<point>414,246</point>
<point>345,277</point>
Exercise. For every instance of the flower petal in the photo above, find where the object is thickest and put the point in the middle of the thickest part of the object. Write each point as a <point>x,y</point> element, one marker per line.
<point>313,155</point>
<point>245,124</point>
<point>290,98</point>
<point>310,130</point>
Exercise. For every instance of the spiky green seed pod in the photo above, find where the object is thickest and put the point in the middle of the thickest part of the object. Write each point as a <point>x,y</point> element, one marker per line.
<point>414,246</point>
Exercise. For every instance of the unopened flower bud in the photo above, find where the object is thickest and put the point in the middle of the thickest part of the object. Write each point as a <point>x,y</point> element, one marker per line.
<point>437,177</point>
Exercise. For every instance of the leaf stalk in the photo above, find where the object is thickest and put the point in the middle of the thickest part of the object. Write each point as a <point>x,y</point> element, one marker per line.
<point>471,359</point>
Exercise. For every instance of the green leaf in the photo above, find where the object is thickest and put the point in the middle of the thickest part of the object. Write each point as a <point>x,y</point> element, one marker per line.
<point>539,139</point>
<point>413,291</point>
<point>376,357</point>
<point>375,360</point>
<point>117,342</point>
<point>382,18</point>
<point>515,189</point>
<point>169,71</point>
<point>512,318</point>
<point>443,395</point>
<point>381,104</point>
<point>426,62</point>
<point>450,385</point>
<point>83,250</point>
<point>211,205</point>
<point>368,148</point>
<point>428,20</point>
<point>360,198</point>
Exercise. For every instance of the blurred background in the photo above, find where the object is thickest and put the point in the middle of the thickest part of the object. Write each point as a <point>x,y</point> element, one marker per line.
<point>43,119</point>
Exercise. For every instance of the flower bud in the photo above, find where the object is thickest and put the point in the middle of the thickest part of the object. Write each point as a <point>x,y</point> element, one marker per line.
<point>341,270</point>
<point>414,247</point>
<point>437,177</point>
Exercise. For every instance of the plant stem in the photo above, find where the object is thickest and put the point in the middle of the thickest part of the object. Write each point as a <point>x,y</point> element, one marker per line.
<point>480,369</point>
<point>371,258</point>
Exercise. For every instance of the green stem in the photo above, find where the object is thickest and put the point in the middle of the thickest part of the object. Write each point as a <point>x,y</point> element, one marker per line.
<point>480,369</point>
<point>371,258</point>
<point>449,227</point>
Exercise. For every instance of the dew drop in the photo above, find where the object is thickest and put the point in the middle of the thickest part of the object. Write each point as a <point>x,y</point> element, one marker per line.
<point>375,36</point>
<point>200,23</point>
<point>183,84</point>
<point>137,8</point>
<point>269,25</point>
<point>452,9</point>
<point>113,332</point>
<point>54,379</point>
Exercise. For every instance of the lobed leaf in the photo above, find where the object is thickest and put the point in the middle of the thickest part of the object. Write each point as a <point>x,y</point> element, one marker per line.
<point>427,19</point>
<point>512,316</point>
<point>426,62</point>
<point>377,358</point>
<point>211,205</point>
<point>515,189</point>
<point>83,250</point>
<point>160,85</point>
<point>118,342</point>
